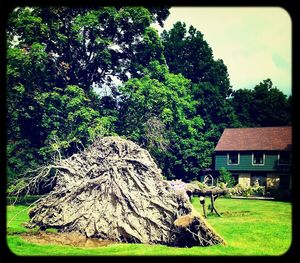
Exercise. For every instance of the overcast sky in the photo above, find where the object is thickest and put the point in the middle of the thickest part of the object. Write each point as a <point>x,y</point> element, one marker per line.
<point>254,43</point>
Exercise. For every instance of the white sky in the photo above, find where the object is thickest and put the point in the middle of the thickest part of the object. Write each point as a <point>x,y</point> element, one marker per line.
<point>254,42</point>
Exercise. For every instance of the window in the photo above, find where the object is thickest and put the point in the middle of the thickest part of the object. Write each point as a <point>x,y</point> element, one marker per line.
<point>284,158</point>
<point>258,159</point>
<point>233,158</point>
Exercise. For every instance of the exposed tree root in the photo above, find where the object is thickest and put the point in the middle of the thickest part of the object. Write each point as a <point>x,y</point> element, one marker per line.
<point>114,190</point>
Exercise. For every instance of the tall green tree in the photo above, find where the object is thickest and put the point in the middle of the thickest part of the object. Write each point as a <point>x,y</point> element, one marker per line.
<point>263,106</point>
<point>63,46</point>
<point>216,111</point>
<point>67,123</point>
<point>84,46</point>
<point>159,112</point>
<point>188,53</point>
<point>52,49</point>
<point>242,101</point>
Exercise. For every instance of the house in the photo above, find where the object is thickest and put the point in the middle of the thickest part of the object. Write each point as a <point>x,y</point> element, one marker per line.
<point>256,155</point>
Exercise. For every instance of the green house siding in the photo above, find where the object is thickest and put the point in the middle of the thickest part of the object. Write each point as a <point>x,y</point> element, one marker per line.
<point>245,163</point>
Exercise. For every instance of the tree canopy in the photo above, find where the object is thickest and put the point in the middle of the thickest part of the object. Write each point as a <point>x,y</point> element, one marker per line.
<point>64,66</point>
<point>83,46</point>
<point>159,111</point>
<point>188,53</point>
<point>264,106</point>
<point>55,59</point>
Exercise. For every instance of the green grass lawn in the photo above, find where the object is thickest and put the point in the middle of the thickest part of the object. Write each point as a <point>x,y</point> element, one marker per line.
<point>249,227</point>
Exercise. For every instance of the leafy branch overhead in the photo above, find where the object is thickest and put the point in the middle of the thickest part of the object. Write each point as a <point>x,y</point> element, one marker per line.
<point>83,46</point>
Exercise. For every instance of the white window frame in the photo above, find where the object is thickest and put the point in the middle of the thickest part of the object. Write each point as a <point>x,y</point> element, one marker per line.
<point>259,164</point>
<point>284,163</point>
<point>233,163</point>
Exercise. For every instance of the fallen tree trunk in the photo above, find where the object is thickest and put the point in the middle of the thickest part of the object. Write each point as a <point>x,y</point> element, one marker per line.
<point>114,190</point>
<point>213,193</point>
<point>209,191</point>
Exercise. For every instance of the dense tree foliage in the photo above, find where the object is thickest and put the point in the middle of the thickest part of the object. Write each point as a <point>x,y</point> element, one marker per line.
<point>84,46</point>
<point>158,110</point>
<point>188,53</point>
<point>263,106</point>
<point>55,59</point>
<point>64,66</point>
<point>216,111</point>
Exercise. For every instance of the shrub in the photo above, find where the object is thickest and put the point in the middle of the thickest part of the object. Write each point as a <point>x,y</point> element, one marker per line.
<point>259,191</point>
<point>247,191</point>
<point>222,185</point>
<point>226,177</point>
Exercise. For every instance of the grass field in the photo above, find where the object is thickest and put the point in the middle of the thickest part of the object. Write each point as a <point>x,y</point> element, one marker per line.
<point>249,227</point>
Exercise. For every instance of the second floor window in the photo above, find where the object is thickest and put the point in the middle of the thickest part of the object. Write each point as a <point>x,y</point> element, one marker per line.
<point>233,158</point>
<point>258,159</point>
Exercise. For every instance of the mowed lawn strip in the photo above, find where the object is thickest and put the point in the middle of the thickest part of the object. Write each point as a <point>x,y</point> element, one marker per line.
<point>254,227</point>
<point>249,227</point>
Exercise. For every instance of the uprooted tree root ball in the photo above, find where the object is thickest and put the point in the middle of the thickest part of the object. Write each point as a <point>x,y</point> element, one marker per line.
<point>114,190</point>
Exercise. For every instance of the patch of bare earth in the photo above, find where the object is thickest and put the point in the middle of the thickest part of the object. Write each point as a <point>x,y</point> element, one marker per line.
<point>70,239</point>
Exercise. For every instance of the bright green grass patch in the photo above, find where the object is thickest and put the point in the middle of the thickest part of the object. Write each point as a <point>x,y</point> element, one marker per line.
<point>249,227</point>
<point>264,228</point>
<point>16,216</point>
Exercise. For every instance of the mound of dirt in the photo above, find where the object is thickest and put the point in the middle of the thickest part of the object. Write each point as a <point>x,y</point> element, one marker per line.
<point>113,190</point>
<point>67,239</point>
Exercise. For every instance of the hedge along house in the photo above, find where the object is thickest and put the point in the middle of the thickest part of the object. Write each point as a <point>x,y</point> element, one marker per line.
<point>257,155</point>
